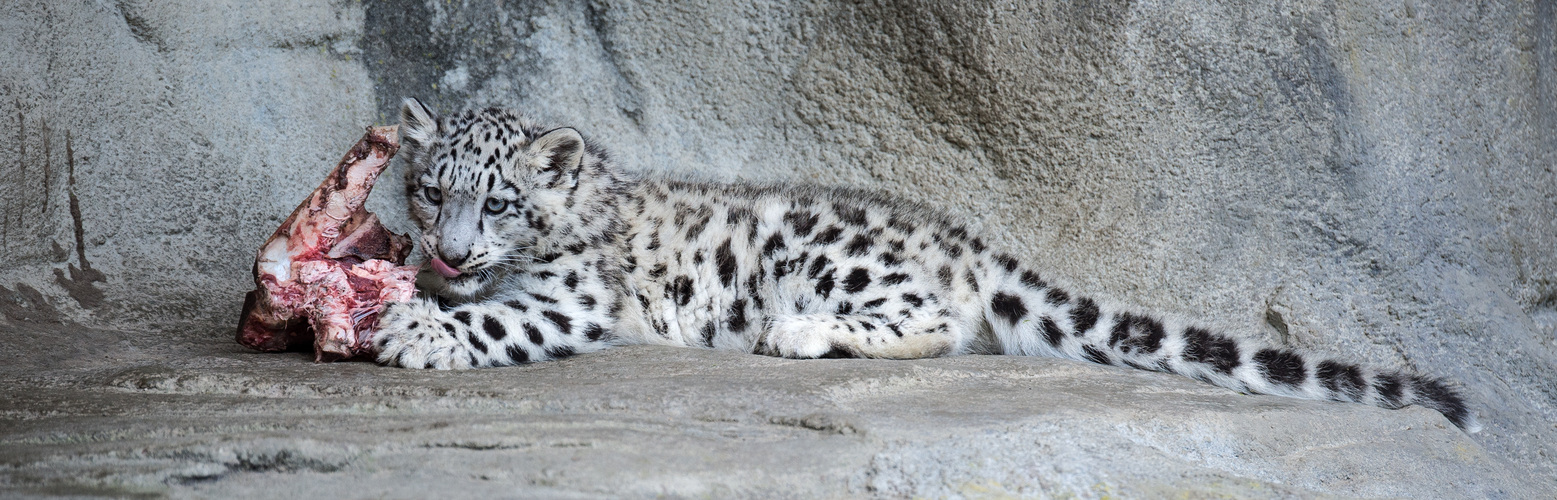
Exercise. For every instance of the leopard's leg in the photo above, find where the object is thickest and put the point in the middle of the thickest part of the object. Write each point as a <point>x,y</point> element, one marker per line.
<point>526,329</point>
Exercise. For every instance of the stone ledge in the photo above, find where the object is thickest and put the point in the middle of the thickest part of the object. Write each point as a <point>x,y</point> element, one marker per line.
<point>654,421</point>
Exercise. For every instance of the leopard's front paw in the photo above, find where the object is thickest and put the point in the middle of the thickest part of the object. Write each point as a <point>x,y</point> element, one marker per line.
<point>419,335</point>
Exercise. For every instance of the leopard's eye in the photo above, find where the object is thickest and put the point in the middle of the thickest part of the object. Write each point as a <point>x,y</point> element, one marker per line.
<point>433,195</point>
<point>496,206</point>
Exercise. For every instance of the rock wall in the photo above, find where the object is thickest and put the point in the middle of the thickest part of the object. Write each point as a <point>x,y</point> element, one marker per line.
<point>1369,181</point>
<point>153,145</point>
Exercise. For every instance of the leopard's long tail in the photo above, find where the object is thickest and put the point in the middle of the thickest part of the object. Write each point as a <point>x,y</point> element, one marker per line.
<point>1030,316</point>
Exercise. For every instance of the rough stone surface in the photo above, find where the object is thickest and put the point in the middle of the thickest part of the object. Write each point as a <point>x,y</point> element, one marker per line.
<point>153,145</point>
<point>1370,181</point>
<point>201,418</point>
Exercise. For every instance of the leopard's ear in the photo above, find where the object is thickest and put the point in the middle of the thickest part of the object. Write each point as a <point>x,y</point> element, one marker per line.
<point>418,125</point>
<point>558,153</point>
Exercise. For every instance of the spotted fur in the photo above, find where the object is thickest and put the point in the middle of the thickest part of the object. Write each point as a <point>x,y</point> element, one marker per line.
<point>562,253</point>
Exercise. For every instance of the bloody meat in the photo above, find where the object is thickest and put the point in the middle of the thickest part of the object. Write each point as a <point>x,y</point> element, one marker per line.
<point>327,272</point>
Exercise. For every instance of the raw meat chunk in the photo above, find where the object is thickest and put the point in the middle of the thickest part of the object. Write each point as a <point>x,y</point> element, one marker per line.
<point>326,273</point>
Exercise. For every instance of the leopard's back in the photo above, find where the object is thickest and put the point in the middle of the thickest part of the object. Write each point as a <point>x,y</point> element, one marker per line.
<point>717,264</point>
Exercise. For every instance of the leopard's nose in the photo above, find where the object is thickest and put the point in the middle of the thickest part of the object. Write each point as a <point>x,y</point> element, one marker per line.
<point>450,255</point>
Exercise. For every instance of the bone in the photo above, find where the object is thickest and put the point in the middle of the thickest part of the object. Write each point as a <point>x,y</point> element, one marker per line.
<point>326,273</point>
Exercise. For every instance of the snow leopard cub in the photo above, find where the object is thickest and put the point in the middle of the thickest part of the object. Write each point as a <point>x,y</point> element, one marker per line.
<point>546,249</point>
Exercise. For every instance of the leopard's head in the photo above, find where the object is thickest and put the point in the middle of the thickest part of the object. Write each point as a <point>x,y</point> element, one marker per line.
<point>490,190</point>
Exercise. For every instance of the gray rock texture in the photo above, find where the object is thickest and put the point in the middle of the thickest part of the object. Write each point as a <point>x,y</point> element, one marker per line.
<point>1368,181</point>
<point>203,418</point>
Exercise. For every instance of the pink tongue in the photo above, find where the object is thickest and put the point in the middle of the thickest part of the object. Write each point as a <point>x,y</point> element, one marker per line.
<point>444,269</point>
